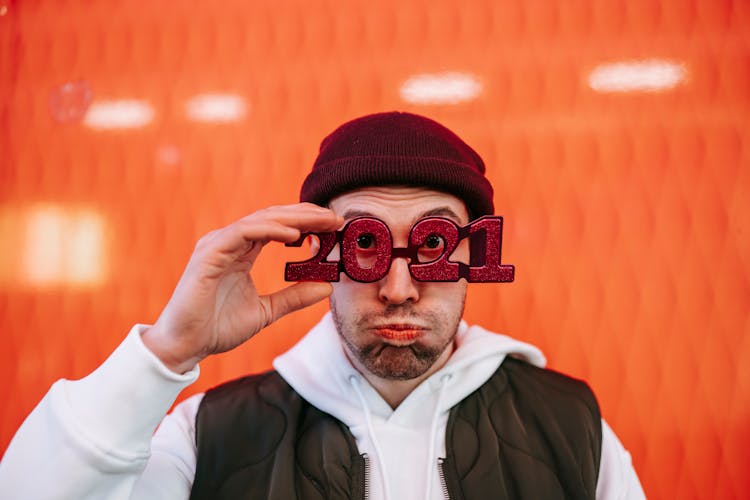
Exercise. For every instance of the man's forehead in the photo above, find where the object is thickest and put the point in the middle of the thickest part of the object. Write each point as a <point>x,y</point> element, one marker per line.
<point>404,204</point>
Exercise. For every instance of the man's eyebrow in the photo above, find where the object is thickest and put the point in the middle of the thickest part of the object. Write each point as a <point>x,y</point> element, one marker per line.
<point>442,212</point>
<point>354,213</point>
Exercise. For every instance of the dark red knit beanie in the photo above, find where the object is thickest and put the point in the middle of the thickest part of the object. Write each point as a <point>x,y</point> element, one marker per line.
<point>398,149</point>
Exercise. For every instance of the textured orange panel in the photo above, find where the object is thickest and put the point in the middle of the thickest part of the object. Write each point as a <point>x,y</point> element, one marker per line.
<point>616,135</point>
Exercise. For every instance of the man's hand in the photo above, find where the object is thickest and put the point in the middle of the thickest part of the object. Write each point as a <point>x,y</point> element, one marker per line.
<point>215,306</point>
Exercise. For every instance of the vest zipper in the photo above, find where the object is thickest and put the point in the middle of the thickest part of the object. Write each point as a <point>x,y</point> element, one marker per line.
<point>366,475</point>
<point>441,475</point>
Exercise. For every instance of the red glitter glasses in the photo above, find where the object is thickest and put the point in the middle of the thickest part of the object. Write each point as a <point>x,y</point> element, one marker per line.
<point>366,252</point>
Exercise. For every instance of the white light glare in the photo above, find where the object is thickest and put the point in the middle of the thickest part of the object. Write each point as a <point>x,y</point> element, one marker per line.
<point>653,75</point>
<point>217,108</point>
<point>63,246</point>
<point>106,115</point>
<point>441,88</point>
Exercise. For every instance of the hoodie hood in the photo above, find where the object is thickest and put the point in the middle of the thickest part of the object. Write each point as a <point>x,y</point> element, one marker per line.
<point>318,369</point>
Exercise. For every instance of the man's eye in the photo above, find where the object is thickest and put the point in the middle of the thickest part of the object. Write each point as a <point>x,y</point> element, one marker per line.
<point>433,241</point>
<point>365,241</point>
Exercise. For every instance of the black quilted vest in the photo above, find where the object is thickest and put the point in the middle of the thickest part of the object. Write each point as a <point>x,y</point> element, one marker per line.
<point>526,433</point>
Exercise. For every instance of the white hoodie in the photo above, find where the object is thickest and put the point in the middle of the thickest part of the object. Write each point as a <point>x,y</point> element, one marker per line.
<point>92,438</point>
<point>403,444</point>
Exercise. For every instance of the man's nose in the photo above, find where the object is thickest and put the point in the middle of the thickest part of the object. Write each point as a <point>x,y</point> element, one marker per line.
<point>398,286</point>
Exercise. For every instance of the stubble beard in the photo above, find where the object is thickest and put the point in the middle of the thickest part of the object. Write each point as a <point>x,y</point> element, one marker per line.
<point>396,362</point>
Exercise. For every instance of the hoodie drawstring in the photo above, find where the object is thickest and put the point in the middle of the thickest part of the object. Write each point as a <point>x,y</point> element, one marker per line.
<point>354,381</point>
<point>431,465</point>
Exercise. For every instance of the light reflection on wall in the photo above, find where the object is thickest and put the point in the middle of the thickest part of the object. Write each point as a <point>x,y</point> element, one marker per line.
<point>218,108</point>
<point>58,246</point>
<point>119,114</point>
<point>441,88</point>
<point>653,75</point>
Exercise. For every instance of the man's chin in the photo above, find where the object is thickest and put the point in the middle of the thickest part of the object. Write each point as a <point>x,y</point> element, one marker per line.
<point>394,362</point>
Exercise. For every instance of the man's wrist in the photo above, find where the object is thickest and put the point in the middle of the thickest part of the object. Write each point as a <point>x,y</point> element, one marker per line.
<point>166,351</point>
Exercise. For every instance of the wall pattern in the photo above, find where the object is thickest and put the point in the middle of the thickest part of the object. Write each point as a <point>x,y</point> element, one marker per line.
<point>616,135</point>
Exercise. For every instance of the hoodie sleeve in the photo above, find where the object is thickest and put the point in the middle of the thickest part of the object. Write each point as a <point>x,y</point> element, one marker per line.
<point>91,438</point>
<point>617,477</point>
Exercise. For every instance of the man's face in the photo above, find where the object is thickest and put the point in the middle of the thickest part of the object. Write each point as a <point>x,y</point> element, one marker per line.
<point>397,328</point>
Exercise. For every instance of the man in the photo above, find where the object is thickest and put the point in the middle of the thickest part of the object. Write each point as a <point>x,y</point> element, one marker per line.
<point>390,396</point>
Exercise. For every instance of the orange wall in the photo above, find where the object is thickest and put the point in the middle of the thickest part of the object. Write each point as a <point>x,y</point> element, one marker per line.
<point>625,198</point>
